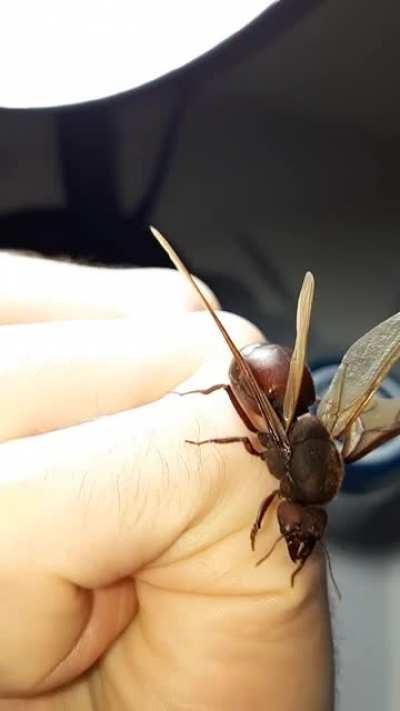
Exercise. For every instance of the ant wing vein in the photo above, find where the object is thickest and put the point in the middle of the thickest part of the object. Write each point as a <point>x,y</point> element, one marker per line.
<point>359,375</point>
<point>267,412</point>
<point>296,370</point>
<point>378,423</point>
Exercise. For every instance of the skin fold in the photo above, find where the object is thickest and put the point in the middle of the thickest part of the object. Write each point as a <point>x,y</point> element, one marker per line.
<point>127,580</point>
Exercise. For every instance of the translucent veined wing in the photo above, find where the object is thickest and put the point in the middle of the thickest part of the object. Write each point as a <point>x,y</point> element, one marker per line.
<point>359,375</point>
<point>296,370</point>
<point>377,423</point>
<point>267,412</point>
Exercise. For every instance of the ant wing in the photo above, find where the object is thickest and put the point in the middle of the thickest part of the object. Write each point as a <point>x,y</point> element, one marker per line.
<point>378,423</point>
<point>359,375</point>
<point>267,412</point>
<point>296,370</point>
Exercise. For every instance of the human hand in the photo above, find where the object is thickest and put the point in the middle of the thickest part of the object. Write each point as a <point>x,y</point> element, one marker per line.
<point>127,580</point>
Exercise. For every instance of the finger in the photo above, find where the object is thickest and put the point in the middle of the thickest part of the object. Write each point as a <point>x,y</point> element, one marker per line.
<point>58,374</point>
<point>36,289</point>
<point>121,455</point>
<point>109,475</point>
<point>112,609</point>
<point>125,496</point>
<point>106,498</point>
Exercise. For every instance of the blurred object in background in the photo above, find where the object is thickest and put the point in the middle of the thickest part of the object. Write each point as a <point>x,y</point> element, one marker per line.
<point>160,55</point>
<point>67,54</point>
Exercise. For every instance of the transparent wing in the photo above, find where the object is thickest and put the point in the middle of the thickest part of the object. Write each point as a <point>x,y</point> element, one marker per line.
<point>360,374</point>
<point>378,423</point>
<point>267,412</point>
<point>296,370</point>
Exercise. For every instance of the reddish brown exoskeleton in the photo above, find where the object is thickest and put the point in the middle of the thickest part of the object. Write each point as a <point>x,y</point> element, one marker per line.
<point>271,388</point>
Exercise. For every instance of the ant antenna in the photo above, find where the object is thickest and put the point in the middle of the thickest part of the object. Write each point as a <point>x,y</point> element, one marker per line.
<point>335,585</point>
<point>270,551</point>
<point>297,571</point>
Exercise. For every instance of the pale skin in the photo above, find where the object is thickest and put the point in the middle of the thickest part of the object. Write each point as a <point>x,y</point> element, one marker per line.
<point>127,581</point>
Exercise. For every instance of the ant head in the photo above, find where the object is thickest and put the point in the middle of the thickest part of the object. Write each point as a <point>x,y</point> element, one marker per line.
<point>301,527</point>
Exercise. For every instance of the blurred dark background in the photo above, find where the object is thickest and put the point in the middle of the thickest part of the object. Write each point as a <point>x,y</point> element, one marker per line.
<point>278,155</point>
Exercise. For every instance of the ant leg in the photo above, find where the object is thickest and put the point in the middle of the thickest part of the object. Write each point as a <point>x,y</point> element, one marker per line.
<point>271,550</point>
<point>235,402</point>
<point>297,571</point>
<point>227,440</point>
<point>265,504</point>
<point>328,558</point>
<point>206,391</point>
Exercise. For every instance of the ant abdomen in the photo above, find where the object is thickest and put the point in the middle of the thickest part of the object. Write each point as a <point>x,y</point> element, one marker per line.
<point>270,364</point>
